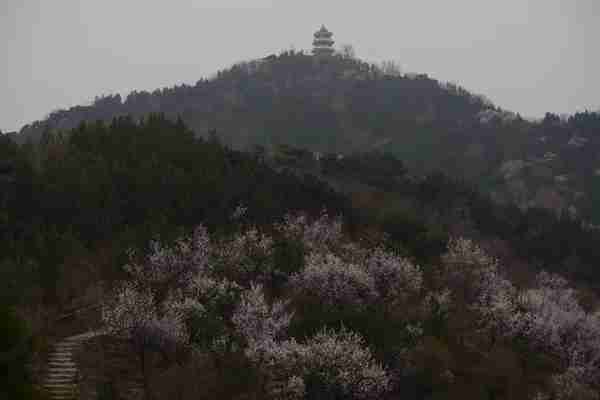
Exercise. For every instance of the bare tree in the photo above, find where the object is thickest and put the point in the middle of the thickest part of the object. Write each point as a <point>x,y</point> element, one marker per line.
<point>347,51</point>
<point>391,68</point>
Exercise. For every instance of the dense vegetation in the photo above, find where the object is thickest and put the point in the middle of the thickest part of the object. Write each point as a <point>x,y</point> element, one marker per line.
<point>299,311</point>
<point>16,349</point>
<point>343,105</point>
<point>209,229</point>
<point>73,203</point>
<point>560,244</point>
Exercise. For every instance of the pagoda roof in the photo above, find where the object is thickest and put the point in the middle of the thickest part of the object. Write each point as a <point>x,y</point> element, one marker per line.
<point>323,32</point>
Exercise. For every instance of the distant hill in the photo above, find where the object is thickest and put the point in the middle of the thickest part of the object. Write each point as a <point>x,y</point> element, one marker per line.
<point>344,105</point>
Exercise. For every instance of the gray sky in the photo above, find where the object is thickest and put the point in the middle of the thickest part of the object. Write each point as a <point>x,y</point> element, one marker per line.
<point>529,56</point>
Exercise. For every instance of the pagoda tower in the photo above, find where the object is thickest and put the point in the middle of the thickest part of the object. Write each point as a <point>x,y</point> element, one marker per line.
<point>323,44</point>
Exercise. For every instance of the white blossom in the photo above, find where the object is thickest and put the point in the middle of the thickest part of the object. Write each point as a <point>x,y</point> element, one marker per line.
<point>343,359</point>
<point>394,277</point>
<point>174,265</point>
<point>492,296</point>
<point>257,321</point>
<point>319,235</point>
<point>334,282</point>
<point>246,256</point>
<point>134,313</point>
<point>548,314</point>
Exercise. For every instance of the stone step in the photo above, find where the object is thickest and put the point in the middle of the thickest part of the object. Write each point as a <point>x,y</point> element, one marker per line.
<point>61,355</point>
<point>63,352</point>
<point>60,387</point>
<point>61,373</point>
<point>65,370</point>
<point>60,376</point>
<point>56,357</point>
<point>61,364</point>
<point>58,382</point>
<point>65,388</point>
<point>69,359</point>
<point>65,348</point>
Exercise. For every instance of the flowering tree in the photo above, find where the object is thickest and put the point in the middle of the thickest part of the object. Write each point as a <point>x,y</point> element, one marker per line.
<point>145,309</point>
<point>135,315</point>
<point>259,323</point>
<point>165,268</point>
<point>322,234</point>
<point>245,257</point>
<point>220,298</point>
<point>551,318</point>
<point>395,277</point>
<point>333,282</point>
<point>343,360</point>
<point>548,316</point>
<point>475,275</point>
<point>340,361</point>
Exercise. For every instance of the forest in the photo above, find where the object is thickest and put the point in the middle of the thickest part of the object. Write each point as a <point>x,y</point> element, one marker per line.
<point>284,273</point>
<point>346,105</point>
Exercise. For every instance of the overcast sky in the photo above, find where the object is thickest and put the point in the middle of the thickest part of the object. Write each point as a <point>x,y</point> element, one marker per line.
<point>529,56</point>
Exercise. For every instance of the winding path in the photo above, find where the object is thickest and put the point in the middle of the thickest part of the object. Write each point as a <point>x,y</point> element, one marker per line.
<point>60,380</point>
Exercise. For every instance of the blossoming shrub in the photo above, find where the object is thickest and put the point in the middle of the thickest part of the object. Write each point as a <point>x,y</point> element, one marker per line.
<point>395,278</point>
<point>167,267</point>
<point>329,362</point>
<point>135,314</point>
<point>333,282</point>
<point>475,277</point>
<point>547,316</point>
<point>367,291</point>
<point>303,312</point>
<point>551,319</point>
<point>258,322</point>
<point>210,305</point>
<point>245,257</point>
<point>322,234</point>
<point>342,359</point>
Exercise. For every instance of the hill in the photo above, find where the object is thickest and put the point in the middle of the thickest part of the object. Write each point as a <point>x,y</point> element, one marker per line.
<point>343,105</point>
<point>224,274</point>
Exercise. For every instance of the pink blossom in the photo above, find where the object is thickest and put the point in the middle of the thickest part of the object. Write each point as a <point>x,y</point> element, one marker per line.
<point>318,235</point>
<point>548,315</point>
<point>343,359</point>
<point>245,257</point>
<point>468,267</point>
<point>394,277</point>
<point>257,321</point>
<point>334,282</point>
<point>552,319</point>
<point>174,265</point>
<point>133,313</point>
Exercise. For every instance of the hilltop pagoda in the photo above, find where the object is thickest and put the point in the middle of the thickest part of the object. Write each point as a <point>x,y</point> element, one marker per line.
<point>323,44</point>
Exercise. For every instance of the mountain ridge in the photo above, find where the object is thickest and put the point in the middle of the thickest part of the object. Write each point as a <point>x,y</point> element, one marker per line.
<point>341,104</point>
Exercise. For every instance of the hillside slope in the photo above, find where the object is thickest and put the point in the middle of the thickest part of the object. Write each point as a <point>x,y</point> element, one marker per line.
<point>344,105</point>
<point>246,240</point>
